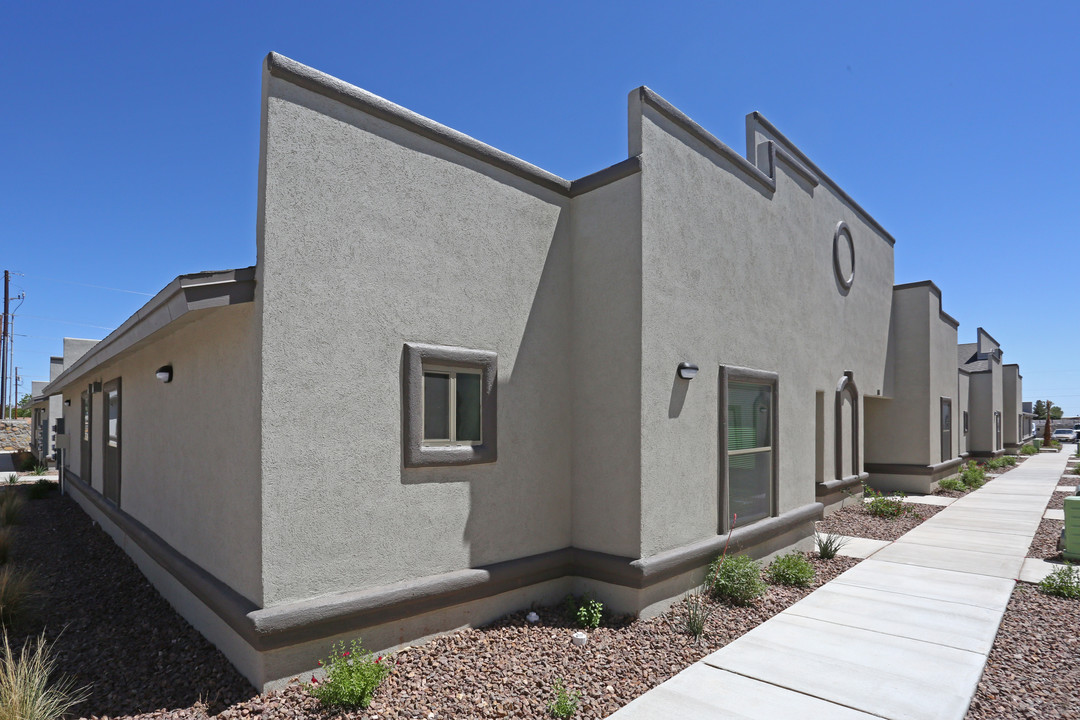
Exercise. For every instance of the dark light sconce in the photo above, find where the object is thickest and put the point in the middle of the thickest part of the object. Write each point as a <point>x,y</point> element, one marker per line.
<point>67,403</point>
<point>95,387</point>
<point>164,373</point>
<point>687,371</point>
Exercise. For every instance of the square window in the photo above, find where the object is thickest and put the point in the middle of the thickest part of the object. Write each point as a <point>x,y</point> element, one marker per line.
<point>450,405</point>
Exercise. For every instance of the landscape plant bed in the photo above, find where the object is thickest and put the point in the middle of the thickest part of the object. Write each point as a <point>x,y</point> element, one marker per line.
<point>112,630</point>
<point>1057,500</point>
<point>1034,667</point>
<point>1044,544</point>
<point>856,521</point>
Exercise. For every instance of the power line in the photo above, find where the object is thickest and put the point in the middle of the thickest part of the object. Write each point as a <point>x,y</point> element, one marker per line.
<point>96,287</point>
<point>66,322</point>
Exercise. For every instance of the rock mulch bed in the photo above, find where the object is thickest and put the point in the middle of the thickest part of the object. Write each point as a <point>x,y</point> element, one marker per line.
<point>1044,544</point>
<point>113,631</point>
<point>110,628</point>
<point>854,520</point>
<point>1057,501</point>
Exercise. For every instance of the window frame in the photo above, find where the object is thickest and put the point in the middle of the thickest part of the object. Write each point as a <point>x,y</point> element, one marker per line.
<point>420,357</point>
<point>736,374</point>
<point>453,372</point>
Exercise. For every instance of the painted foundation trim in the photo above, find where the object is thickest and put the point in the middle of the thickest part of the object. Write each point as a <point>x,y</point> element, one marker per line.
<point>832,486</point>
<point>903,469</point>
<point>297,622</point>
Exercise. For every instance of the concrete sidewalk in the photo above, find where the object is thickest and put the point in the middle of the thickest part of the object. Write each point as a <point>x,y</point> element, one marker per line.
<point>904,634</point>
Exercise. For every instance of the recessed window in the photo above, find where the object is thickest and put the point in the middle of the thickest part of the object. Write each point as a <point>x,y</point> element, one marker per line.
<point>748,468</point>
<point>450,405</point>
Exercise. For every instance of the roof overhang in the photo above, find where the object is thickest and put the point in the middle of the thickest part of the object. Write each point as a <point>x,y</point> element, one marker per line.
<point>170,307</point>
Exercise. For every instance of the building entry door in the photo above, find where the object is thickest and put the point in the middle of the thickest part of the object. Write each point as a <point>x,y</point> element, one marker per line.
<point>111,446</point>
<point>85,446</point>
<point>946,429</point>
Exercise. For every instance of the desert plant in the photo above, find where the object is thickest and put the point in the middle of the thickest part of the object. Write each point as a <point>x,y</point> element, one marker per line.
<point>40,469</point>
<point>28,464</point>
<point>12,478</point>
<point>790,569</point>
<point>1062,582</point>
<point>884,506</point>
<point>736,579</point>
<point>41,489</point>
<point>566,701</point>
<point>352,677</point>
<point>829,544</point>
<point>1009,460</point>
<point>10,508</point>
<point>25,689</point>
<point>698,612</point>
<point>972,475</point>
<point>1076,470</point>
<point>16,592</point>
<point>586,611</point>
<point>953,483</point>
<point>1028,449</point>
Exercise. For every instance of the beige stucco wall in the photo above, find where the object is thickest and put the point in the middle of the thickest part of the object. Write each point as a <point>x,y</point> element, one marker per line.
<point>606,230</point>
<point>942,378</point>
<point>372,236</point>
<point>734,275</point>
<point>1012,404</point>
<point>963,391</point>
<point>984,401</point>
<point>189,448</point>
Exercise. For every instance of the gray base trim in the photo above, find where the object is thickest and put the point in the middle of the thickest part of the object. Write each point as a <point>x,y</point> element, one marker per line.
<point>297,622</point>
<point>904,469</point>
<point>986,453</point>
<point>832,486</point>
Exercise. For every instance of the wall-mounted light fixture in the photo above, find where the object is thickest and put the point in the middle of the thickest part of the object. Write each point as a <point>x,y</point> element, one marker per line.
<point>687,371</point>
<point>67,403</point>
<point>95,387</point>
<point>164,373</point>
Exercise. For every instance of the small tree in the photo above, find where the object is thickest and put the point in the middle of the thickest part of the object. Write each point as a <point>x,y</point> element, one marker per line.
<point>1040,410</point>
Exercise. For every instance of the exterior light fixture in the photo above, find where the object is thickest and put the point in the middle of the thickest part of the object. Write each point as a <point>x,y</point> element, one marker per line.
<point>687,371</point>
<point>164,373</point>
<point>67,403</point>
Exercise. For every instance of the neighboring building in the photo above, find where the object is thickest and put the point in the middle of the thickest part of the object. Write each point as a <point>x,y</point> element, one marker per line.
<point>981,360</point>
<point>47,409</point>
<point>455,384</point>
<point>1016,421</point>
<point>915,435</point>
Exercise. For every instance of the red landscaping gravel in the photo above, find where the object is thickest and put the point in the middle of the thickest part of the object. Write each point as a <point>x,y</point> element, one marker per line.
<point>1044,544</point>
<point>854,520</point>
<point>112,630</point>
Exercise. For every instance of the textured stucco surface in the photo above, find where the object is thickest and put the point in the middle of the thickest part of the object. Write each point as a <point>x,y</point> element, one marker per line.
<point>370,237</point>
<point>189,448</point>
<point>739,276</point>
<point>1012,403</point>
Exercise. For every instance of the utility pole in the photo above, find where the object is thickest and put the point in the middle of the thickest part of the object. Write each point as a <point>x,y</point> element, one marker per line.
<point>15,403</point>
<point>3,350</point>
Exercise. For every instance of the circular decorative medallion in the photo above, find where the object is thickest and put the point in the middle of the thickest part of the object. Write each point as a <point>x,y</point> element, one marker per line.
<point>843,255</point>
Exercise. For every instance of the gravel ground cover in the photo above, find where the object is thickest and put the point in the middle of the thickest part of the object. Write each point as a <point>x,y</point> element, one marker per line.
<point>1044,544</point>
<point>112,630</point>
<point>854,520</point>
<point>1057,501</point>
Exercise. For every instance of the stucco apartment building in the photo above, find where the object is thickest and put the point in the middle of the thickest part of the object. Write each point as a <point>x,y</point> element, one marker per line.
<point>47,409</point>
<point>455,384</point>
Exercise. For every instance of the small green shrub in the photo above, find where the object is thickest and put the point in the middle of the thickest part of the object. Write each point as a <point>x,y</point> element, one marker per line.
<point>1062,582</point>
<point>565,703</point>
<point>352,677</point>
<point>11,505</point>
<point>12,478</point>
<point>28,464</point>
<point>829,544</point>
<point>790,569</point>
<point>953,483</point>
<point>16,592</point>
<point>585,611</point>
<point>40,469</point>
<point>25,689</point>
<point>698,612</point>
<point>882,506</point>
<point>41,489</point>
<point>973,476</point>
<point>1009,460</point>
<point>736,579</point>
<point>1028,449</point>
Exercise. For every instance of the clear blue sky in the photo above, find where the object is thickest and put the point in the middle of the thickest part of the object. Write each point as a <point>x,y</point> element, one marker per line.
<point>131,131</point>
